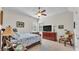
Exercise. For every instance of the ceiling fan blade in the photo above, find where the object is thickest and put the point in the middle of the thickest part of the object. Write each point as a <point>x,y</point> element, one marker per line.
<point>43,11</point>
<point>44,14</point>
<point>40,12</point>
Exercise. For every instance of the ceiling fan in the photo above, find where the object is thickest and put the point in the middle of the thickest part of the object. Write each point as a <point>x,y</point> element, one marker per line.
<point>41,12</point>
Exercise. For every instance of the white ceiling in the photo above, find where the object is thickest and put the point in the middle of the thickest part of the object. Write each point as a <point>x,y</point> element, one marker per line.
<point>31,11</point>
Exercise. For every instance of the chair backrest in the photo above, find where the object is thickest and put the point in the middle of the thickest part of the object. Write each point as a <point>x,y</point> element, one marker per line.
<point>70,37</point>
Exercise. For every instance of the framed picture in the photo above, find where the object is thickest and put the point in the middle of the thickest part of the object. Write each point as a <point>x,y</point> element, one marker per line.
<point>61,26</point>
<point>19,24</point>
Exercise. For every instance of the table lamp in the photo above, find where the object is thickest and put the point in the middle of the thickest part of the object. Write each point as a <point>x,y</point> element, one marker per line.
<point>6,35</point>
<point>8,31</point>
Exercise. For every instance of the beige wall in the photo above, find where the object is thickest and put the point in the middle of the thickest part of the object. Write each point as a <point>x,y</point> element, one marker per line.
<point>11,16</point>
<point>65,18</point>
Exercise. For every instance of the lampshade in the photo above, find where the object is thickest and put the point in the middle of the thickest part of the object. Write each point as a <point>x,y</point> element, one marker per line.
<point>39,14</point>
<point>8,31</point>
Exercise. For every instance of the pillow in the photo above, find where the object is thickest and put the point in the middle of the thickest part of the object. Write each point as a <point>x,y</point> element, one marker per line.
<point>15,36</point>
<point>18,34</point>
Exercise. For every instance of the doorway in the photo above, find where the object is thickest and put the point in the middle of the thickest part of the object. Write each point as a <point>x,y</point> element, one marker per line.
<point>1,22</point>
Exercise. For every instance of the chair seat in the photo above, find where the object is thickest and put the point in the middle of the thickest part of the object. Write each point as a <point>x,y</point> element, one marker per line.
<point>65,40</point>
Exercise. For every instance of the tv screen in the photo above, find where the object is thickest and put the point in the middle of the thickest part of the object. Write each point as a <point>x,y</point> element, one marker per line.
<point>47,28</point>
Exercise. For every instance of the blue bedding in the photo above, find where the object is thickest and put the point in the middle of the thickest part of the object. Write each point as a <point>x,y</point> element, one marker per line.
<point>25,39</point>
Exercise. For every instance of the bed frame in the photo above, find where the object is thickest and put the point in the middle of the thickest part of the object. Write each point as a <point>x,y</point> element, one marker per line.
<point>32,45</point>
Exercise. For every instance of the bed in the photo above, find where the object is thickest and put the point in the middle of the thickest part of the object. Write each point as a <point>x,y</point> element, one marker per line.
<point>26,39</point>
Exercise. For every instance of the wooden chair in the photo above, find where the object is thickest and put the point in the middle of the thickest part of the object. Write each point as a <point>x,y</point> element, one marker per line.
<point>61,38</point>
<point>69,39</point>
<point>66,39</point>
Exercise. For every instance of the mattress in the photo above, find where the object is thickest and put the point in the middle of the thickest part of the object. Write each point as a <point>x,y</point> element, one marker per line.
<point>25,39</point>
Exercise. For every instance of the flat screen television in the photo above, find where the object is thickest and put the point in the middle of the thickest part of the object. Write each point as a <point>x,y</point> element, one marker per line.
<point>47,28</point>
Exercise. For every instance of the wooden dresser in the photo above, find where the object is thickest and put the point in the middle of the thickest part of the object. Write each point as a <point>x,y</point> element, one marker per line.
<point>50,36</point>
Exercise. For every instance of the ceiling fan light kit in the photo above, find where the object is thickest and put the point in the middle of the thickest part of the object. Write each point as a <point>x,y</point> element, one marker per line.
<point>41,12</point>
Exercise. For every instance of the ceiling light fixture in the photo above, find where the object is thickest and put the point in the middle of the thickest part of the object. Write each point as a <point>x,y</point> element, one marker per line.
<point>41,12</point>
